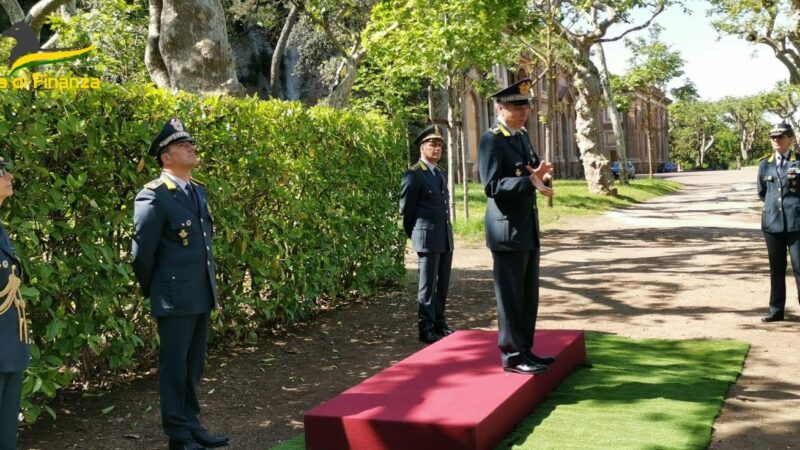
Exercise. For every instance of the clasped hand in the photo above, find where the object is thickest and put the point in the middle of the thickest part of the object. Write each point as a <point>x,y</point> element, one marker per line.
<point>539,175</point>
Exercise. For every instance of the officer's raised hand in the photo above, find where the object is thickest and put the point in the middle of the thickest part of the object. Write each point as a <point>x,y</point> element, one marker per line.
<point>537,175</point>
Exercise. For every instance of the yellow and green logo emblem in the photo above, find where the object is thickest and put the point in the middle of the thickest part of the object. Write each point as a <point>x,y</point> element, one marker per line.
<point>28,51</point>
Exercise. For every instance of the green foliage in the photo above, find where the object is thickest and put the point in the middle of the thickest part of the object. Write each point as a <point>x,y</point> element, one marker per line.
<point>653,63</point>
<point>440,38</point>
<point>303,200</point>
<point>119,30</point>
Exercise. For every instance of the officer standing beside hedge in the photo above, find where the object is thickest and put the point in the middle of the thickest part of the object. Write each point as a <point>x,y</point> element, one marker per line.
<point>511,173</point>
<point>778,188</point>
<point>15,350</point>
<point>174,264</point>
<point>424,205</point>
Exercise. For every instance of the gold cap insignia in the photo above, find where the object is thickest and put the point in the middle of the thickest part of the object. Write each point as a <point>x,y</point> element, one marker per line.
<point>525,88</point>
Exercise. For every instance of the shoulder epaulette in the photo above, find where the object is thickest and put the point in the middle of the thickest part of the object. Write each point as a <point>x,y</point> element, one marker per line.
<point>415,166</point>
<point>439,168</point>
<point>494,130</point>
<point>768,155</point>
<point>502,130</point>
<point>152,185</point>
<point>196,181</point>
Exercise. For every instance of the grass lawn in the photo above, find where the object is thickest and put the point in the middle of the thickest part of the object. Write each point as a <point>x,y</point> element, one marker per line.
<point>572,199</point>
<point>637,394</point>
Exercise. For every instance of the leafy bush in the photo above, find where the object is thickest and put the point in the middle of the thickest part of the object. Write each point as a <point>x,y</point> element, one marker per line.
<point>304,202</point>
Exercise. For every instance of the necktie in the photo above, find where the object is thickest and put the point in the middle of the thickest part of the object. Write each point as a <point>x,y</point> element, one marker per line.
<point>193,195</point>
<point>438,176</point>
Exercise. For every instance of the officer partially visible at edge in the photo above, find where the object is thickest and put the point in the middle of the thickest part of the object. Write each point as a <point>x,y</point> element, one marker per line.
<point>511,173</point>
<point>174,263</point>
<point>15,350</point>
<point>780,219</point>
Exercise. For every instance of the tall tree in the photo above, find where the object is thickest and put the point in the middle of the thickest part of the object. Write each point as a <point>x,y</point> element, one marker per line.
<point>613,112</point>
<point>443,40</point>
<point>652,66</point>
<point>774,23</point>
<point>784,102</point>
<point>188,49</point>
<point>546,44</point>
<point>342,22</point>
<point>694,126</point>
<point>746,116</point>
<point>583,25</point>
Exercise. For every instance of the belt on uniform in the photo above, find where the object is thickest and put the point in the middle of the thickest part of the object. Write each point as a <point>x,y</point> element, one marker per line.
<point>10,295</point>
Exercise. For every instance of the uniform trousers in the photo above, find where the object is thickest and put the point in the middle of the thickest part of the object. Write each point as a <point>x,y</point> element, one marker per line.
<point>10,395</point>
<point>516,286</point>
<point>777,246</point>
<point>182,358</point>
<point>434,280</point>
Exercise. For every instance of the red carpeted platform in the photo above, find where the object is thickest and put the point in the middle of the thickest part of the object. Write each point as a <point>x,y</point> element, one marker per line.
<point>450,395</point>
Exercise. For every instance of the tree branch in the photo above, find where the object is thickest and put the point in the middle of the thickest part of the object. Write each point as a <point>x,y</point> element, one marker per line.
<point>13,10</point>
<point>636,28</point>
<point>39,12</point>
<point>277,55</point>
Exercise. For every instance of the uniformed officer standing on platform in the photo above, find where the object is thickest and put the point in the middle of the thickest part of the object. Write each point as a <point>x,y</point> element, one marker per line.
<point>778,188</point>
<point>174,263</point>
<point>15,351</point>
<point>511,173</point>
<point>424,205</point>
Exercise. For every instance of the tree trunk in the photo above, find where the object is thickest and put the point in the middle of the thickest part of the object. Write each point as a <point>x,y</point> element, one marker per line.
<point>648,134</point>
<point>152,54</point>
<point>188,49</point>
<point>39,13</point>
<point>13,10</point>
<point>550,137</point>
<point>743,149</point>
<point>277,55</point>
<point>452,144</point>
<point>587,106</point>
<point>464,174</point>
<point>613,112</point>
<point>705,148</point>
<point>341,91</point>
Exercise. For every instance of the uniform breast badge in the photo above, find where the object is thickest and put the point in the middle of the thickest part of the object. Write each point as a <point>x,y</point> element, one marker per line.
<point>791,174</point>
<point>518,169</point>
<point>184,235</point>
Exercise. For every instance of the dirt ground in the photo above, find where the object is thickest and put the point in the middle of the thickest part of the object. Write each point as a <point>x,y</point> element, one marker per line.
<point>687,265</point>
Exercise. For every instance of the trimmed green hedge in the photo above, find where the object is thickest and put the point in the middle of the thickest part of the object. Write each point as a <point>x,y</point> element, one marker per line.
<point>304,205</point>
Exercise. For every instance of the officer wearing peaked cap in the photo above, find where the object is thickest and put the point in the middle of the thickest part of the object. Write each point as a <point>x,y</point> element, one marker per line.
<point>174,264</point>
<point>778,188</point>
<point>14,347</point>
<point>424,205</point>
<point>511,173</point>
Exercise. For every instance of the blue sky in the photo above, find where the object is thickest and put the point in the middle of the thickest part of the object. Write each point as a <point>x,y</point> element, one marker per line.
<point>728,66</point>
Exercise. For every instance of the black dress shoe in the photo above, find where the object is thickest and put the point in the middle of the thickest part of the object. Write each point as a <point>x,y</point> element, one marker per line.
<point>526,368</point>
<point>186,444</point>
<point>210,440</point>
<point>428,336</point>
<point>444,331</point>
<point>541,360</point>
<point>773,317</point>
